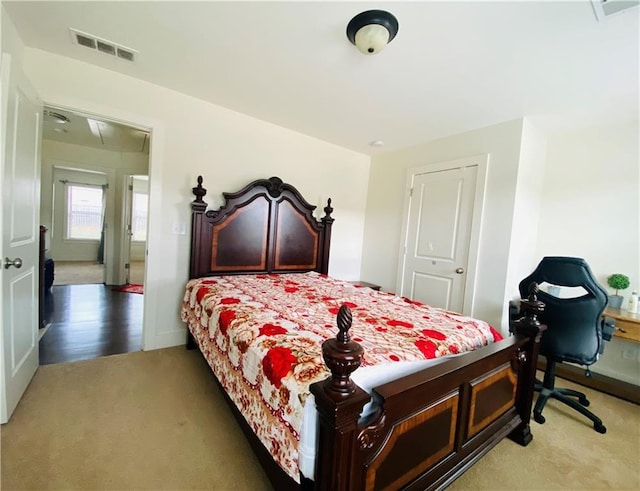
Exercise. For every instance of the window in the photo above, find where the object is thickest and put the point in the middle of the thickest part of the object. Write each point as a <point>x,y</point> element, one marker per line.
<point>84,212</point>
<point>139,217</point>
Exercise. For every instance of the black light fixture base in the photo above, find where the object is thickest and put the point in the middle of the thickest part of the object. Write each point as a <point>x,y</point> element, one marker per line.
<point>381,17</point>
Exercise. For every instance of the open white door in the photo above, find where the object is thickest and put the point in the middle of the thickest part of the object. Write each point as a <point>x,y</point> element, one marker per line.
<point>128,229</point>
<point>20,184</point>
<point>134,235</point>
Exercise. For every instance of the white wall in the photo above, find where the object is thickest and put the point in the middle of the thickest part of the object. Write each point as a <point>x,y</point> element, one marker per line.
<point>10,41</point>
<point>115,166</point>
<point>387,179</point>
<point>590,208</point>
<point>591,200</point>
<point>229,149</point>
<point>526,210</point>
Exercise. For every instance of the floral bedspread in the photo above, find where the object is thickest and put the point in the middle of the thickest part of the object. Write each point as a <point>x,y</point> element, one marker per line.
<point>262,336</point>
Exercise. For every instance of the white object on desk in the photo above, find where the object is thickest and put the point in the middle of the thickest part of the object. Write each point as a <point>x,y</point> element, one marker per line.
<point>633,303</point>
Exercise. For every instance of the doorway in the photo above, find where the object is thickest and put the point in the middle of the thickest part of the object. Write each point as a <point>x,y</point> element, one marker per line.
<point>86,163</point>
<point>78,218</point>
<point>441,231</point>
<point>136,207</point>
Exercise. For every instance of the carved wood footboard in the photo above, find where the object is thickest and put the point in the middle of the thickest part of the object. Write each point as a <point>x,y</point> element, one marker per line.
<point>430,426</point>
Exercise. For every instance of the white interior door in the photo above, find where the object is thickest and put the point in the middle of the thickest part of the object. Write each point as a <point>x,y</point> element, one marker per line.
<point>21,133</point>
<point>128,229</point>
<point>438,237</point>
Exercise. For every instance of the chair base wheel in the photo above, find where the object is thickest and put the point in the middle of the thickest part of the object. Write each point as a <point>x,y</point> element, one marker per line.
<point>600,428</point>
<point>539,418</point>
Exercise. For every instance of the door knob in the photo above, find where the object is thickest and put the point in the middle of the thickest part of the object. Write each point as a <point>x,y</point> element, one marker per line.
<point>16,263</point>
<point>459,270</point>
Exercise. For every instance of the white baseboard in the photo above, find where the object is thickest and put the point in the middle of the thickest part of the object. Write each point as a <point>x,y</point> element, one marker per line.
<point>43,331</point>
<point>177,337</point>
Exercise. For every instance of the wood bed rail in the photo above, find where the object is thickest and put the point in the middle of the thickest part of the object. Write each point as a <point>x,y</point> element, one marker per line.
<point>454,412</point>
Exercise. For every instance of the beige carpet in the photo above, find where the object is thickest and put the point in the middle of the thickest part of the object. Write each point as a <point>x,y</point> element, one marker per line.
<point>566,452</point>
<point>144,420</point>
<point>88,272</point>
<point>155,420</point>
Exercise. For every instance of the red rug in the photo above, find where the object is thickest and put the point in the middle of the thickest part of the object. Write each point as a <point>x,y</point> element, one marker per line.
<point>130,289</point>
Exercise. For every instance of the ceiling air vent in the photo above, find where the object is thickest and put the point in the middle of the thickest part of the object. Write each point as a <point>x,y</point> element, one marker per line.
<point>125,54</point>
<point>104,46</point>
<point>607,8</point>
<point>110,49</point>
<point>85,41</point>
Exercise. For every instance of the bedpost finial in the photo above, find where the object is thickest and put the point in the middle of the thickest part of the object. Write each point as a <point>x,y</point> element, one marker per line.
<point>530,307</point>
<point>199,192</point>
<point>533,291</point>
<point>532,304</point>
<point>344,323</point>
<point>342,356</point>
<point>328,210</point>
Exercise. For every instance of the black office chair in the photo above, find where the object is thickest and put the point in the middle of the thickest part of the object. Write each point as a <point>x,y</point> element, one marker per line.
<point>574,329</point>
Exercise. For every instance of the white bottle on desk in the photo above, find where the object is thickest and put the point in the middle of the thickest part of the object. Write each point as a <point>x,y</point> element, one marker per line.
<point>633,303</point>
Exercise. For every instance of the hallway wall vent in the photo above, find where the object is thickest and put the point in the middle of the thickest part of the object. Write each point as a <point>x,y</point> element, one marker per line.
<point>103,45</point>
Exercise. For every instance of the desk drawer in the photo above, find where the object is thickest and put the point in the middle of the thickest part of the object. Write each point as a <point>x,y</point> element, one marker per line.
<point>632,330</point>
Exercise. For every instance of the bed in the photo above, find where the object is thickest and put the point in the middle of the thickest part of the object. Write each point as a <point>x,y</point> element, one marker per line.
<point>285,342</point>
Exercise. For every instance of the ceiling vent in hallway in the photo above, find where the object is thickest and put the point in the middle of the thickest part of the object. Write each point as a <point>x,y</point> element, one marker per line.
<point>104,46</point>
<point>606,8</point>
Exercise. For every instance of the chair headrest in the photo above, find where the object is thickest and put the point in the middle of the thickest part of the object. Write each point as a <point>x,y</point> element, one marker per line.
<point>564,271</point>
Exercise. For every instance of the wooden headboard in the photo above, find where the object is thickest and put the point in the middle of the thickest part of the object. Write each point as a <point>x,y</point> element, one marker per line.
<point>266,227</point>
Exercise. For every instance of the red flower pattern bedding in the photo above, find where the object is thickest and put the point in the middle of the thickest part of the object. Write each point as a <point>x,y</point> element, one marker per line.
<point>262,336</point>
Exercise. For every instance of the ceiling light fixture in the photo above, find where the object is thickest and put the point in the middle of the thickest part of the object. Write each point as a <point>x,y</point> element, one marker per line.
<point>55,117</point>
<point>372,30</point>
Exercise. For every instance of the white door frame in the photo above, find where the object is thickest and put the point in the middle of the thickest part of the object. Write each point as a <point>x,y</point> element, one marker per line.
<point>482,163</point>
<point>154,226</point>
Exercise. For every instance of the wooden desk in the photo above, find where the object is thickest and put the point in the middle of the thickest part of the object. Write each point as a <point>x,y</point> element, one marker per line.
<point>627,321</point>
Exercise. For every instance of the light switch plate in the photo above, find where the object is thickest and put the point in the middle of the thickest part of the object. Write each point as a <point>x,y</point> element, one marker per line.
<point>179,228</point>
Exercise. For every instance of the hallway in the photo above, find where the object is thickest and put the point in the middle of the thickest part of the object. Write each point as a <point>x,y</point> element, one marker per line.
<point>89,321</point>
<point>87,272</point>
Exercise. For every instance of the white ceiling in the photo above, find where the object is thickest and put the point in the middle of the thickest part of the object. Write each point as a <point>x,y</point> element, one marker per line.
<point>80,129</point>
<point>453,67</point>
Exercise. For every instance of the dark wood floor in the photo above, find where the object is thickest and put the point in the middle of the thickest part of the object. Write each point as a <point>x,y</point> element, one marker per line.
<point>89,321</point>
